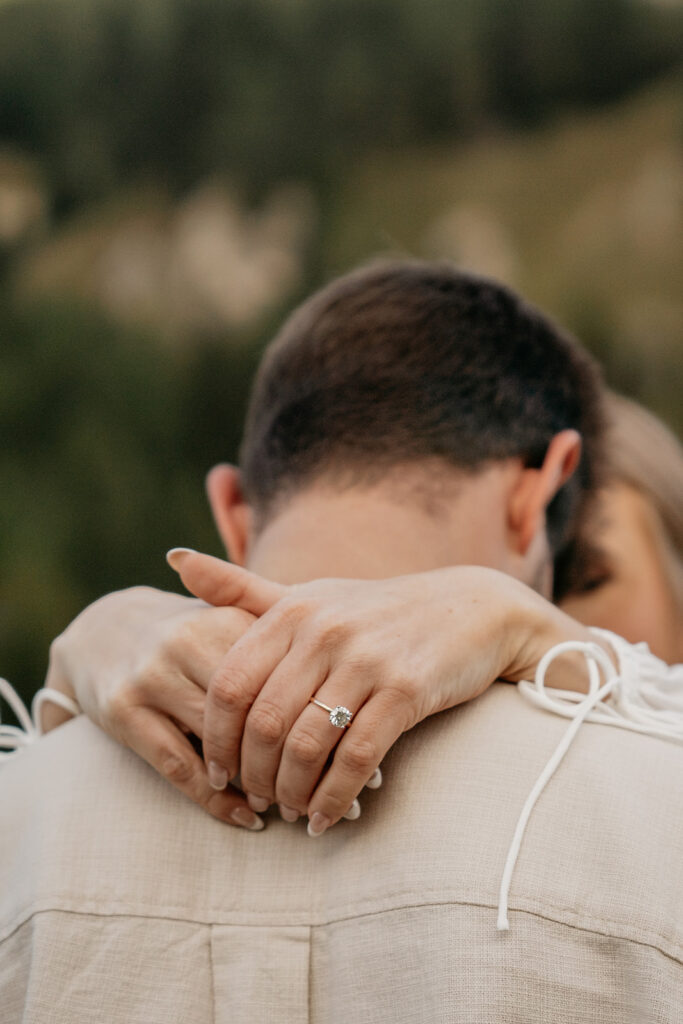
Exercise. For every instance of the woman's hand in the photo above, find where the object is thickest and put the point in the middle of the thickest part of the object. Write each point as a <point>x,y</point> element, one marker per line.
<point>392,651</point>
<point>138,662</point>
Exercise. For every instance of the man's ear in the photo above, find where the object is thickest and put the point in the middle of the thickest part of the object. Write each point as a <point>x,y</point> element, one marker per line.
<point>231,513</point>
<point>535,488</point>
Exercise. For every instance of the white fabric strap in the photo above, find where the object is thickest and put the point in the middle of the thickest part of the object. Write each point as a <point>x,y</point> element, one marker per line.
<point>14,737</point>
<point>644,695</point>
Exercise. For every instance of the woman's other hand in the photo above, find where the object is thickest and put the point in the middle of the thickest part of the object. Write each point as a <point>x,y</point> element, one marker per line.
<point>391,651</point>
<point>139,662</point>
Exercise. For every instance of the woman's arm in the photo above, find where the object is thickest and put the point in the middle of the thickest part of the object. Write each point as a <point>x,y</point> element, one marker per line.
<point>390,651</point>
<point>140,661</point>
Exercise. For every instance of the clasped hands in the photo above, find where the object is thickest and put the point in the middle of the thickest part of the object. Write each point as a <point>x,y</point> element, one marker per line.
<point>238,669</point>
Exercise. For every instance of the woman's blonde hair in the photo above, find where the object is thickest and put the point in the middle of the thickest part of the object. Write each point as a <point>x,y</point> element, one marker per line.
<point>643,453</point>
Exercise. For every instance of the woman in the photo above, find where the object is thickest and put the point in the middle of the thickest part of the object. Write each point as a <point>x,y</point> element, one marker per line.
<point>160,653</point>
<point>638,591</point>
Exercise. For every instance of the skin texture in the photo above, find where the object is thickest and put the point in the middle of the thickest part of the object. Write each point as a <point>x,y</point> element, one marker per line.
<point>369,644</point>
<point>497,516</point>
<point>139,662</point>
<point>636,598</point>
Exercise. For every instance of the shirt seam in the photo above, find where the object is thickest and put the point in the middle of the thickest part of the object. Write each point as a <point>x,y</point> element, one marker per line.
<point>674,956</point>
<point>315,917</point>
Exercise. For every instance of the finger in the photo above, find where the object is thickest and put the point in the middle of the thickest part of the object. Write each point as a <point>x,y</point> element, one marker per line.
<point>233,689</point>
<point>221,583</point>
<point>313,738</point>
<point>159,742</point>
<point>371,734</point>
<point>271,717</point>
<point>178,698</point>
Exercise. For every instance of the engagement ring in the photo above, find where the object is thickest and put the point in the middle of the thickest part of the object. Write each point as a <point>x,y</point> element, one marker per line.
<point>339,716</point>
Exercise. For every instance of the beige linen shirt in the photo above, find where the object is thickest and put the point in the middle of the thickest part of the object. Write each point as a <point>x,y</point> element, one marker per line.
<point>120,901</point>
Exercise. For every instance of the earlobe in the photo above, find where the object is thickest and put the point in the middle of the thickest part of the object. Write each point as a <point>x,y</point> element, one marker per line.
<point>536,488</point>
<point>231,513</point>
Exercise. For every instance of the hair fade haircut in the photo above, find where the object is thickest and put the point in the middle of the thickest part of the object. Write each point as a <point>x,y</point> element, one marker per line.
<point>406,361</point>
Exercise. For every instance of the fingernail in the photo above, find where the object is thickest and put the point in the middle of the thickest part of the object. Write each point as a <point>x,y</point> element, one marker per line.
<point>218,777</point>
<point>171,555</point>
<point>288,813</point>
<point>241,816</point>
<point>258,803</point>
<point>375,780</point>
<point>353,812</point>
<point>317,824</point>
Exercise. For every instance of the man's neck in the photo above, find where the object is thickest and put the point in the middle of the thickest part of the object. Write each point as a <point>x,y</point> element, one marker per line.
<point>378,532</point>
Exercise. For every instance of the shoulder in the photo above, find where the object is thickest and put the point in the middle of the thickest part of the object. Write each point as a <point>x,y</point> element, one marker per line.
<point>80,816</point>
<point>92,828</point>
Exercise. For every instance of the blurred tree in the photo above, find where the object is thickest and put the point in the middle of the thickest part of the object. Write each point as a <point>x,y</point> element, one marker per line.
<point>105,441</point>
<point>112,90</point>
<point>105,433</point>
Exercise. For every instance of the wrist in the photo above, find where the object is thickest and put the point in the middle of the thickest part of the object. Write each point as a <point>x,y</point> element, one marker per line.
<point>534,627</point>
<point>500,618</point>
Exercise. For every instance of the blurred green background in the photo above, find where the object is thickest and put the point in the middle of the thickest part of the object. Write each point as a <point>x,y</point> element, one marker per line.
<point>176,174</point>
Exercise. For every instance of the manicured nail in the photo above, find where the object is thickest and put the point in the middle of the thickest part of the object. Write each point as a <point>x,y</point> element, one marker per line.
<point>353,812</point>
<point>218,777</point>
<point>171,556</point>
<point>375,780</point>
<point>288,813</point>
<point>258,803</point>
<point>317,824</point>
<point>241,816</point>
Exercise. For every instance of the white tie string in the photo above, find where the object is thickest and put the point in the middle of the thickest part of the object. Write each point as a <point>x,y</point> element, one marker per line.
<point>645,695</point>
<point>15,737</point>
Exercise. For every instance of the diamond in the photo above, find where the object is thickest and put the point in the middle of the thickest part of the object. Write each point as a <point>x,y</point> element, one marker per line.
<point>340,716</point>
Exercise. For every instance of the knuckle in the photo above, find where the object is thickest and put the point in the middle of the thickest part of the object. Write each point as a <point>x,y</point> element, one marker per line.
<point>366,666</point>
<point>306,749</point>
<point>330,632</point>
<point>335,805</point>
<point>230,689</point>
<point>402,688</point>
<point>177,768</point>
<point>290,611</point>
<point>266,724</point>
<point>118,705</point>
<point>179,640</point>
<point>358,756</point>
<point>400,699</point>
<point>151,679</point>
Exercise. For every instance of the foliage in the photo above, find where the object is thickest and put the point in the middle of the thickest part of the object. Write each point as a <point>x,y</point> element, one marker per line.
<point>105,440</point>
<point>108,90</point>
<point>105,430</point>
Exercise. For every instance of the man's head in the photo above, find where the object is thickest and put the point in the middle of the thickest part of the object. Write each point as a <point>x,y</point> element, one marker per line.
<point>416,401</point>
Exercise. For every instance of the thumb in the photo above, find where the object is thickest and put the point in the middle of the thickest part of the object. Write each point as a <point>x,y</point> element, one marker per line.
<point>221,583</point>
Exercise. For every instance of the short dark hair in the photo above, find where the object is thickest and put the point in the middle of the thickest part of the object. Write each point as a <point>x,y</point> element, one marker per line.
<point>404,361</point>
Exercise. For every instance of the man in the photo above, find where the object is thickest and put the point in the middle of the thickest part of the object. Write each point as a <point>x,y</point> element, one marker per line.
<point>407,418</point>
